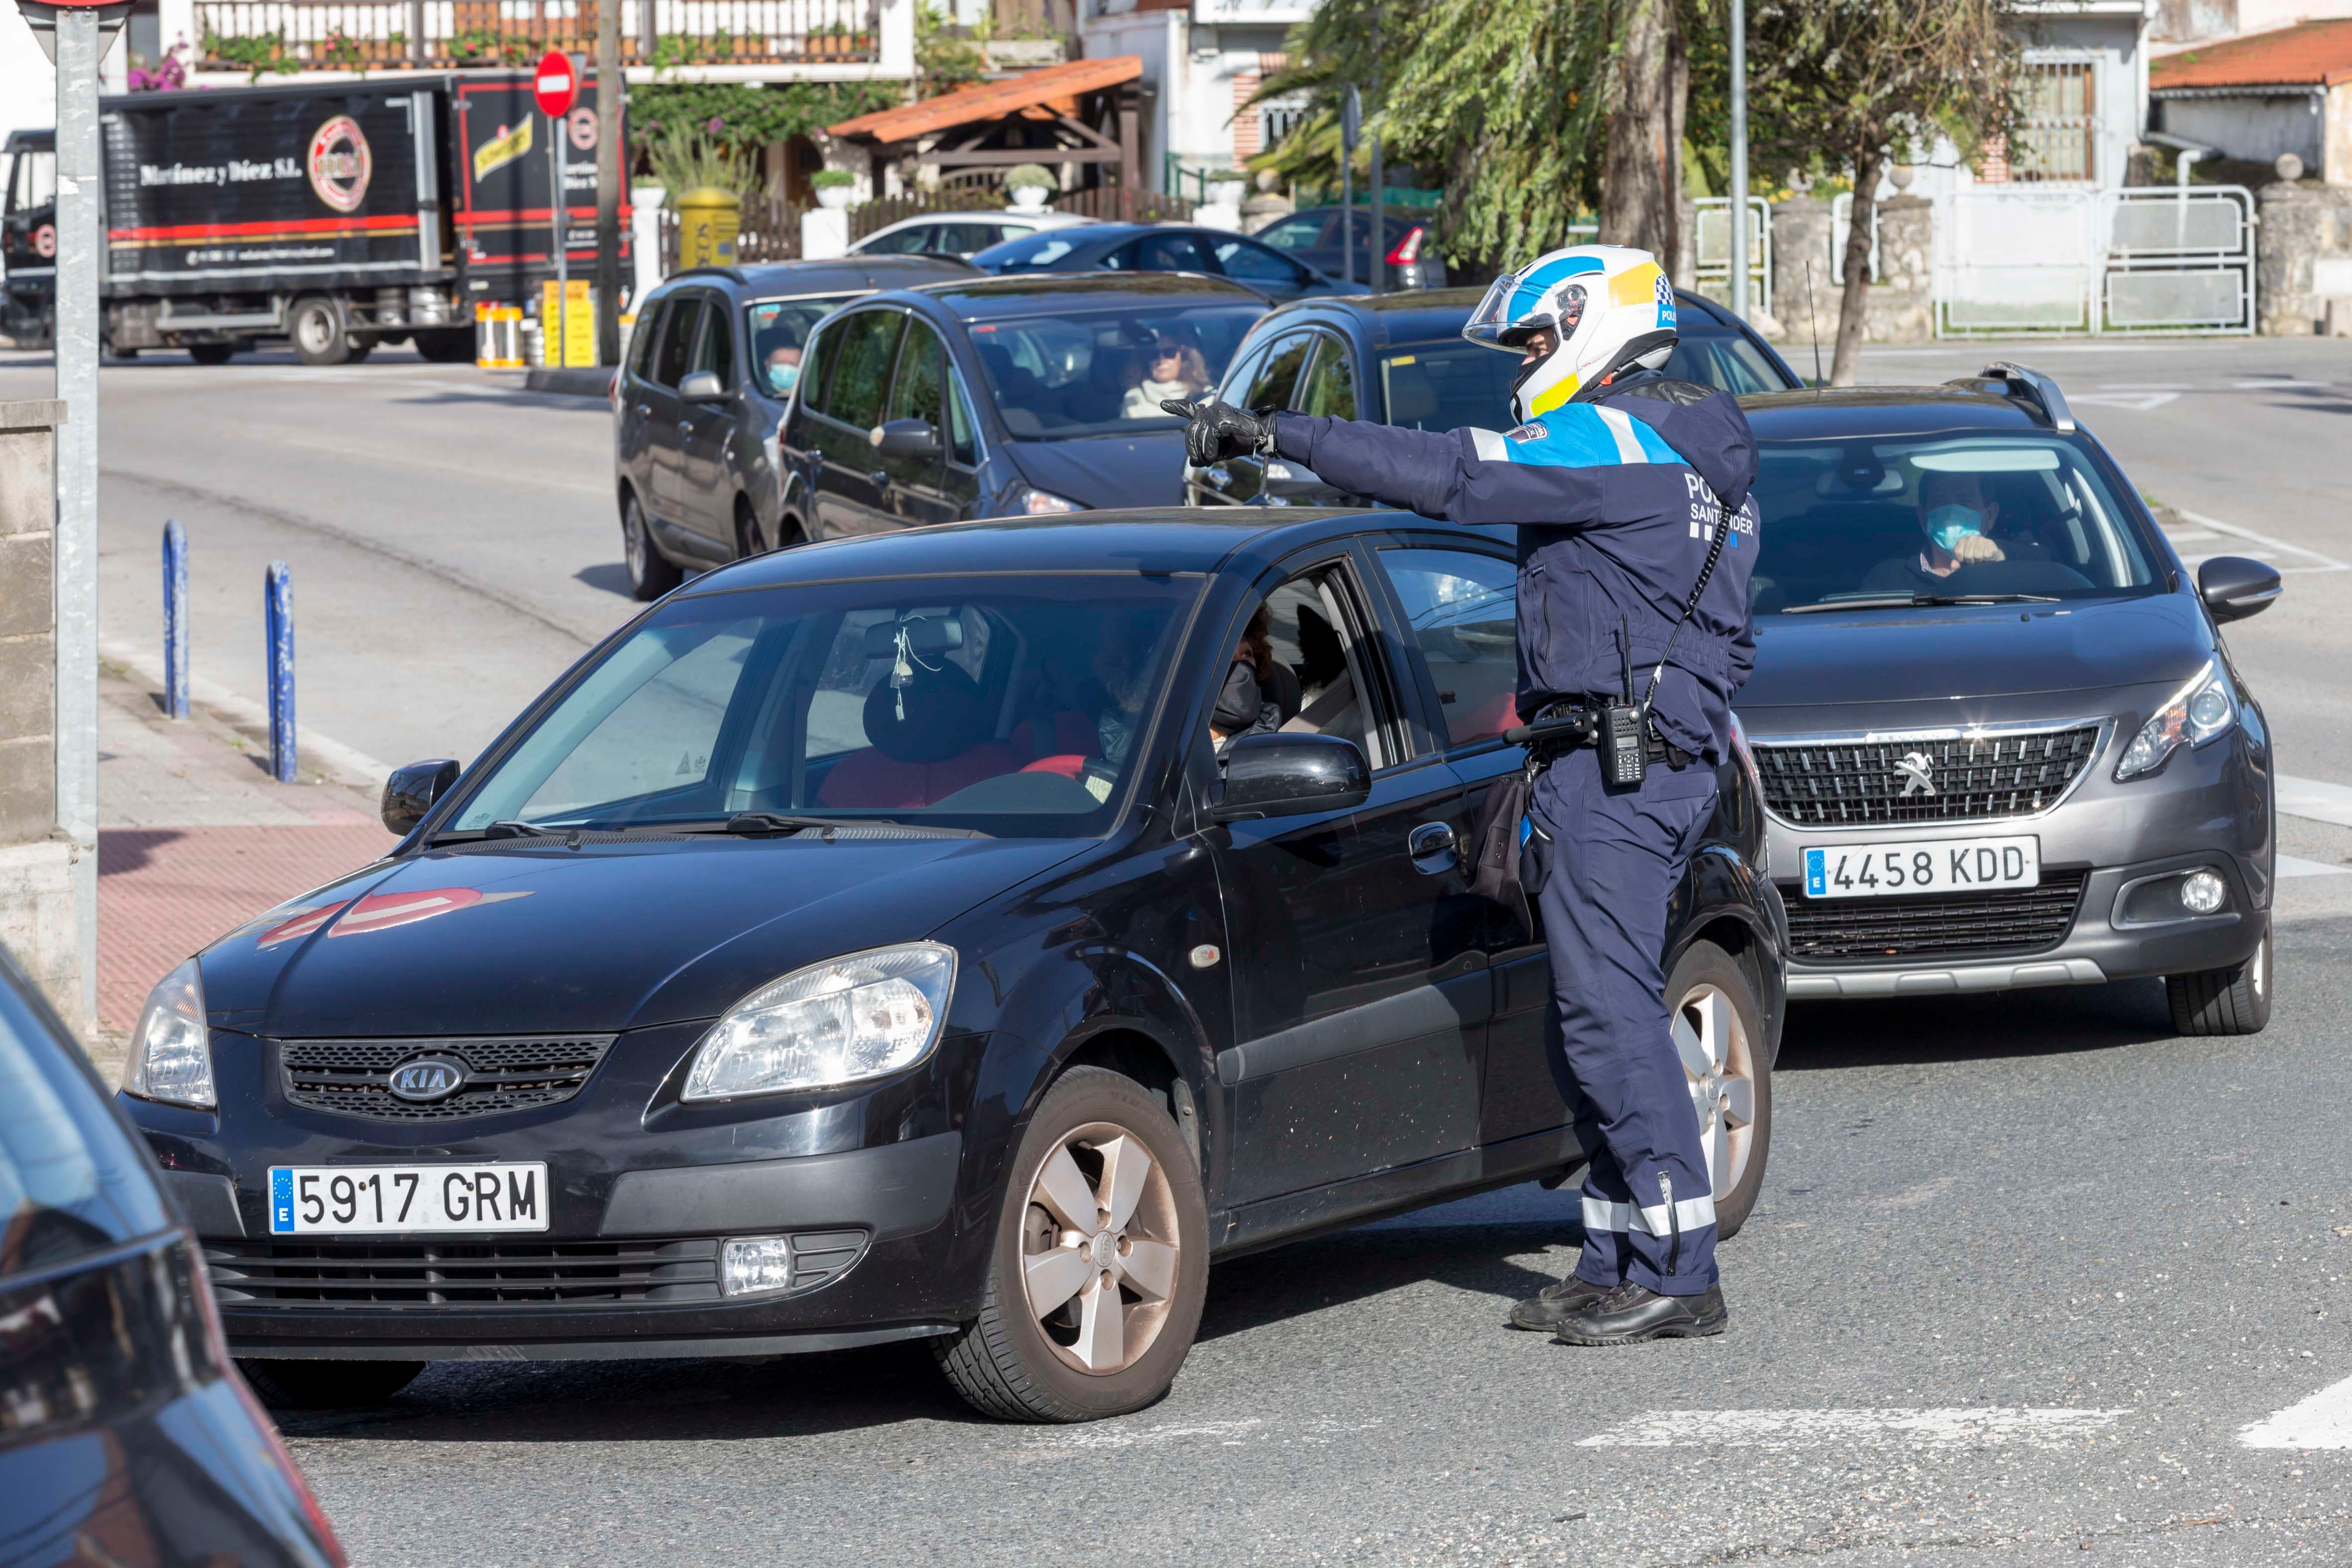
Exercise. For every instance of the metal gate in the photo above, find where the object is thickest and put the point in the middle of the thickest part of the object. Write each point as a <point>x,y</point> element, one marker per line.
<point>1712,248</point>
<point>2016,260</point>
<point>2180,260</point>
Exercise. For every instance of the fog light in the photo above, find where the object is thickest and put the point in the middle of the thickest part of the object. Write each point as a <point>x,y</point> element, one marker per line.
<point>761,1263</point>
<point>2202,892</point>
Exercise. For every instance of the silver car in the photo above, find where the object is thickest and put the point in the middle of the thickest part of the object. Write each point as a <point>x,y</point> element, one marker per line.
<point>2001,739</point>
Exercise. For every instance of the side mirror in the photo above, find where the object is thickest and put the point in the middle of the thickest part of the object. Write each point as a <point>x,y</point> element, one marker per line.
<point>411,791</point>
<point>907,439</point>
<point>1283,478</point>
<point>701,387</point>
<point>1289,775</point>
<point>2234,588</point>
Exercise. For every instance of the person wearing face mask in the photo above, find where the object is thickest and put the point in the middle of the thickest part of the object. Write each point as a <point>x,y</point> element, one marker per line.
<point>1956,525</point>
<point>783,369</point>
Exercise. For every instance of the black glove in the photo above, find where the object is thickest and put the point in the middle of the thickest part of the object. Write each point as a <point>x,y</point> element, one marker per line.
<point>1219,430</point>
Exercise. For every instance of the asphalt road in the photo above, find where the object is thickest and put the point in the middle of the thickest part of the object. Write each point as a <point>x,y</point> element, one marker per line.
<point>2025,1271</point>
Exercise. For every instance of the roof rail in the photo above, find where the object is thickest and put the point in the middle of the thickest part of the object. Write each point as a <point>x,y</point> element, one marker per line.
<point>732,274</point>
<point>2032,386</point>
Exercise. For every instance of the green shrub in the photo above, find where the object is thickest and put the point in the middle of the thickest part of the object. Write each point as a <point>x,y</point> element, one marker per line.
<point>1024,174</point>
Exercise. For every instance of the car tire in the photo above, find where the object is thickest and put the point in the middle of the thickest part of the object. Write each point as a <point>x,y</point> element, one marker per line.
<point>315,327</point>
<point>790,533</point>
<point>747,531</point>
<point>328,1384</point>
<point>2232,1001</point>
<point>1717,1027</point>
<point>211,353</point>
<point>1114,1341</point>
<point>651,574</point>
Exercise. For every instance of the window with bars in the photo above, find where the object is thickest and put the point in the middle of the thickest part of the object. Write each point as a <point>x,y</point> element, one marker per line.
<point>2058,137</point>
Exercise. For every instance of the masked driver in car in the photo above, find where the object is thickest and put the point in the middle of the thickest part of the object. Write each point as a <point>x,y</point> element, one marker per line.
<point>1629,489</point>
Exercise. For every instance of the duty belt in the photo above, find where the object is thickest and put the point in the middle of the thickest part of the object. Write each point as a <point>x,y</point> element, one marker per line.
<point>1564,726</point>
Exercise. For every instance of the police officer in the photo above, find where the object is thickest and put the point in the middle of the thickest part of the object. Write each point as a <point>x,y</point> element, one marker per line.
<point>1629,489</point>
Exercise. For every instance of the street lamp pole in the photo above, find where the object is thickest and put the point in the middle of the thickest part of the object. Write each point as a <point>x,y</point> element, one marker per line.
<point>1739,257</point>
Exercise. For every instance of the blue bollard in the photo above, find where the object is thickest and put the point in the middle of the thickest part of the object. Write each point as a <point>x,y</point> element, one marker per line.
<point>176,619</point>
<point>278,609</point>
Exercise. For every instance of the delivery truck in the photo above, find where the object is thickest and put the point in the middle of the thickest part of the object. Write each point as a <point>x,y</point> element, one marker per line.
<point>336,216</point>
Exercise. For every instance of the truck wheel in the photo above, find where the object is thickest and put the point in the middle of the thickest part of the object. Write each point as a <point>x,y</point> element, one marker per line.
<point>448,345</point>
<point>2232,1001</point>
<point>315,326</point>
<point>211,353</point>
<point>1099,1265</point>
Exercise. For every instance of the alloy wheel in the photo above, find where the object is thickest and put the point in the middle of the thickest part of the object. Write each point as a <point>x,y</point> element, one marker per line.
<point>1099,1248</point>
<point>1719,1064</point>
<point>632,542</point>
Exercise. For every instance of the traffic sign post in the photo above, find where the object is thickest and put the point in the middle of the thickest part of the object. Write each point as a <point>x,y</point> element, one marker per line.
<point>555,84</point>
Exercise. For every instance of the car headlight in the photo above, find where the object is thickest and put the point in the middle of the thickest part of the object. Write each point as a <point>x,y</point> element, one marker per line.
<point>1042,503</point>
<point>846,1019</point>
<point>2199,712</point>
<point>171,1055</point>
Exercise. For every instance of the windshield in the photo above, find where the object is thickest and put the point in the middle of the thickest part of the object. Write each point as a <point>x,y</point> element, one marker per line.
<point>1849,522</point>
<point>779,330</point>
<point>1103,371</point>
<point>1008,705</point>
<point>34,181</point>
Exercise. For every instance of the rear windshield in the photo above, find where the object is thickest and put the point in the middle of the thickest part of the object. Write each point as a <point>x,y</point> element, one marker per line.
<point>1106,370</point>
<point>1009,705</point>
<point>1851,523</point>
<point>71,1180</point>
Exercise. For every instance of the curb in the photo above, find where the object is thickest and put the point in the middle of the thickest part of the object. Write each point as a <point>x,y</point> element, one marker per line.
<point>575,381</point>
<point>344,764</point>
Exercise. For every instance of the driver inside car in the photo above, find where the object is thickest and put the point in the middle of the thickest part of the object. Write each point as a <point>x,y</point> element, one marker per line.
<point>1956,524</point>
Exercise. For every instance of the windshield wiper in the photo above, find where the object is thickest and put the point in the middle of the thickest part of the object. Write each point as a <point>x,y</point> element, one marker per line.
<point>784,822</point>
<point>1917,601</point>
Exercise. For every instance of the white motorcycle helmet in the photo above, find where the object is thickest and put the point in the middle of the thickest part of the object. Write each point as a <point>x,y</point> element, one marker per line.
<point>1612,308</point>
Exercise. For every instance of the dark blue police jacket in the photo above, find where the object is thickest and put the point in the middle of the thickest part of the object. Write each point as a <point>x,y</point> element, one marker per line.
<point>1616,501</point>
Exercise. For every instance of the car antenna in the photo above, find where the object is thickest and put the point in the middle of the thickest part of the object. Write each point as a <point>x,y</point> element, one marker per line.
<point>1814,320</point>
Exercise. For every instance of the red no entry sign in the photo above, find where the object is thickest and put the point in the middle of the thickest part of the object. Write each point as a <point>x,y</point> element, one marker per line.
<point>555,84</point>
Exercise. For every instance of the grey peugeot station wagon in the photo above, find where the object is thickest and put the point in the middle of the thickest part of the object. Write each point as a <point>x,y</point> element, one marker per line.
<point>2002,740</point>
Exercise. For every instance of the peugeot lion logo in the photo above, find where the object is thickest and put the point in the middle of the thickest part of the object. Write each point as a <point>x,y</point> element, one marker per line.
<point>428,1078</point>
<point>1913,771</point>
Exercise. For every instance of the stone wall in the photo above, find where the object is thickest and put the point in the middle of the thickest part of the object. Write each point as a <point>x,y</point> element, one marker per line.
<point>2303,249</point>
<point>1900,306</point>
<point>37,888</point>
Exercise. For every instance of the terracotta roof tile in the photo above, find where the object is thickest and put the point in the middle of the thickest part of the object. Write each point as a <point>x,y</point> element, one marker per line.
<point>2310,54</point>
<point>1050,85</point>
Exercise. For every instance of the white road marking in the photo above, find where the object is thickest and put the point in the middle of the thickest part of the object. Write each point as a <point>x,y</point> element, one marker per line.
<point>2193,561</point>
<point>2188,535</point>
<point>2147,386</point>
<point>2323,562</point>
<point>2322,1421</point>
<point>320,754</point>
<point>2313,798</point>
<point>2137,402</point>
<point>1965,1426</point>
<point>1228,1433</point>
<point>2276,383</point>
<point>2295,866</point>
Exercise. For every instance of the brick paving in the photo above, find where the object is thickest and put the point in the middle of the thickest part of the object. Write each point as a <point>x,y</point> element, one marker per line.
<point>194,838</point>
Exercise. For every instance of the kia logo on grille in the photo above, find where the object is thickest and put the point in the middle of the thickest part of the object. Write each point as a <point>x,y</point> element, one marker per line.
<point>428,1078</point>
<point>1913,771</point>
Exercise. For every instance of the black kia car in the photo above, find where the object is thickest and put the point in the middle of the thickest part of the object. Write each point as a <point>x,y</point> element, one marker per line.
<point>1401,359</point>
<point>125,1434</point>
<point>1003,397</point>
<point>870,942</point>
<point>711,368</point>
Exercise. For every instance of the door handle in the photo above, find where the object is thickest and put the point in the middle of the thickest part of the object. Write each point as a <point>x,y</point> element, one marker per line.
<point>1432,848</point>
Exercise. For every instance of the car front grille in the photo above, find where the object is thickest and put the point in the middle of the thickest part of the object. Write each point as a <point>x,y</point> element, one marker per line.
<point>523,1272</point>
<point>1933,925</point>
<point>1955,779</point>
<point>469,1274</point>
<point>506,1072</point>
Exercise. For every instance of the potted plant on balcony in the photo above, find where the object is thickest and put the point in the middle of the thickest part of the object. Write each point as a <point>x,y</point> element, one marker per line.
<point>1029,184</point>
<point>835,188</point>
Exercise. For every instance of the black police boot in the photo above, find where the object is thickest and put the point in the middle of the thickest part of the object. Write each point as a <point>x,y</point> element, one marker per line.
<point>1546,1310</point>
<point>1631,1313</point>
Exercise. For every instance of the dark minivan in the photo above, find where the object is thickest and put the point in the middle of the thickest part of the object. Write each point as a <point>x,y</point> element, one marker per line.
<point>712,367</point>
<point>1001,397</point>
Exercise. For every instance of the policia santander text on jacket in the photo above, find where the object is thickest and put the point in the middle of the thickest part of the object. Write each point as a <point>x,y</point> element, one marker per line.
<point>1636,537</point>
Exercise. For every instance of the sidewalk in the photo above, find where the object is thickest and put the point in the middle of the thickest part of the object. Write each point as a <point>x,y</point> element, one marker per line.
<point>195,837</point>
